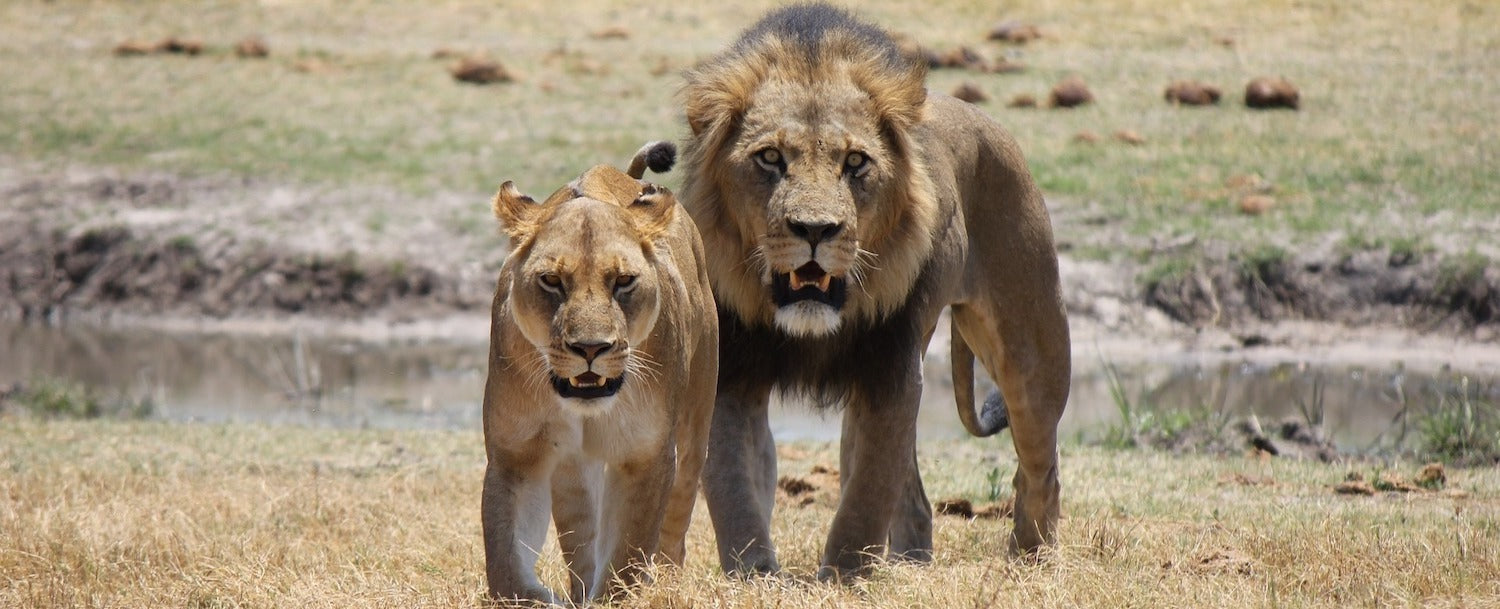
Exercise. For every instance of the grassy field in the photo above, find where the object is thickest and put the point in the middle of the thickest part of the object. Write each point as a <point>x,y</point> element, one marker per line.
<point>1394,145</point>
<point>132,514</point>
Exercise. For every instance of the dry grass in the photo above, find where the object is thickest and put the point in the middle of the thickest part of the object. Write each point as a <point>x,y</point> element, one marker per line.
<point>130,514</point>
<point>1394,136</point>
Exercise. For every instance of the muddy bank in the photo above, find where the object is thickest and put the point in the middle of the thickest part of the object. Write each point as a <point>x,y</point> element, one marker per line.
<point>1455,294</point>
<point>48,273</point>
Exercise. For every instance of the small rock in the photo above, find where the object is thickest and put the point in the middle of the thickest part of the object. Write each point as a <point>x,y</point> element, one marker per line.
<point>1255,205</point>
<point>1023,100</point>
<point>252,48</point>
<point>1070,93</point>
<point>1192,93</point>
<point>1130,137</point>
<point>1271,92</point>
<point>970,92</point>
<point>479,71</point>
<point>1014,32</point>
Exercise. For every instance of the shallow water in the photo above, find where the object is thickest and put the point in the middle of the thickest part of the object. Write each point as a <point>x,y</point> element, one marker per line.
<point>320,381</point>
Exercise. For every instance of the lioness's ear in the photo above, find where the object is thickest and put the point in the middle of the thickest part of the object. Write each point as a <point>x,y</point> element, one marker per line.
<point>653,211</point>
<point>517,212</point>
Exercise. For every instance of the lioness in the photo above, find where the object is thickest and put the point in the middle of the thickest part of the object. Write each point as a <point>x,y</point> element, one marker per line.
<point>603,355</point>
<point>846,207</point>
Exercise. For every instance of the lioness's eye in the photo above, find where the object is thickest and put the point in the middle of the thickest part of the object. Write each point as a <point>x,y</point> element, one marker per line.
<point>769,158</point>
<point>550,281</point>
<point>624,281</point>
<point>855,161</point>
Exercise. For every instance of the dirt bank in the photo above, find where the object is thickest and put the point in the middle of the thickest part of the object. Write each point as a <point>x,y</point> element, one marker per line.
<point>75,242</point>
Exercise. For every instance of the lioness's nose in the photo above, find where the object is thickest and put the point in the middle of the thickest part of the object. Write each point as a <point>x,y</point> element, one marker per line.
<point>814,233</point>
<point>589,351</point>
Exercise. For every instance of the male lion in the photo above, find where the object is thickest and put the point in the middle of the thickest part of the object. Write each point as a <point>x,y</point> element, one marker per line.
<point>847,207</point>
<point>603,355</point>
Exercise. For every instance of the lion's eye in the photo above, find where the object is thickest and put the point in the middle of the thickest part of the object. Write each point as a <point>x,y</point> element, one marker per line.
<point>550,281</point>
<point>855,162</point>
<point>770,159</point>
<point>624,281</point>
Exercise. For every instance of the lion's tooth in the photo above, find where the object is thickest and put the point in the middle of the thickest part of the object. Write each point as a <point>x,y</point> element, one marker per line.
<point>825,281</point>
<point>573,381</point>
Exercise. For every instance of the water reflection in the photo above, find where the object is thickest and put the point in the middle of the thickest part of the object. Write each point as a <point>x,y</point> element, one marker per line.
<point>438,384</point>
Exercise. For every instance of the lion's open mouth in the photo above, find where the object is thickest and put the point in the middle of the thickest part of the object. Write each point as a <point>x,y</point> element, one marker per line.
<point>587,386</point>
<point>808,283</point>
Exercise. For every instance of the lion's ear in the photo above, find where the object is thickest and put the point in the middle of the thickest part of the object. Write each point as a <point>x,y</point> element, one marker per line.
<point>516,212</point>
<point>653,211</point>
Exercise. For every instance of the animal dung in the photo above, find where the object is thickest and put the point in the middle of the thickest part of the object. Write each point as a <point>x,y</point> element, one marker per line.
<point>1014,32</point>
<point>1255,205</point>
<point>961,57</point>
<point>252,48</point>
<point>1130,136</point>
<point>1267,92</point>
<point>1070,93</point>
<point>184,46</point>
<point>131,48</point>
<point>970,92</point>
<point>1085,137</point>
<point>181,46</point>
<point>1192,93</point>
<point>1023,100</point>
<point>479,71</point>
<point>613,32</point>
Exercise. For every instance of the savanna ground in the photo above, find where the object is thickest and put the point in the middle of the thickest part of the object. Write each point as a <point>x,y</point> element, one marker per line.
<point>129,514</point>
<point>348,175</point>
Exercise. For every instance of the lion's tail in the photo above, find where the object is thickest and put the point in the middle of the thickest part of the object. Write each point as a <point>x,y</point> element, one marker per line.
<point>992,418</point>
<point>659,156</point>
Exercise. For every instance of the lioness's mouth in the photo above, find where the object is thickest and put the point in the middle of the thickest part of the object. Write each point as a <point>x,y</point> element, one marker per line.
<point>808,282</point>
<point>587,386</point>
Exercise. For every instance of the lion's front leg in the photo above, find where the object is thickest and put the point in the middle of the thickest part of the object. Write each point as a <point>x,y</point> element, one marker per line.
<point>911,527</point>
<point>739,481</point>
<point>875,476</point>
<point>514,512</point>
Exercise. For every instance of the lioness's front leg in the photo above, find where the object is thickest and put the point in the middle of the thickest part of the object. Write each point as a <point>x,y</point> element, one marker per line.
<point>874,479</point>
<point>739,480</point>
<point>576,487</point>
<point>514,510</point>
<point>632,518</point>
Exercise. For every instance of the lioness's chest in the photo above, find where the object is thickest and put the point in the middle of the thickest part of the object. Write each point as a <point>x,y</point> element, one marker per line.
<point>633,428</point>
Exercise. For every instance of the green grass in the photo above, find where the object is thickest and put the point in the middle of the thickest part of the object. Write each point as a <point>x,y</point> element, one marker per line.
<point>1394,129</point>
<point>52,398</point>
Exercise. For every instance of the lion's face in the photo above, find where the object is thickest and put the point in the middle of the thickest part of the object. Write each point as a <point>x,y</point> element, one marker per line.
<point>809,165</point>
<point>806,182</point>
<point>584,293</point>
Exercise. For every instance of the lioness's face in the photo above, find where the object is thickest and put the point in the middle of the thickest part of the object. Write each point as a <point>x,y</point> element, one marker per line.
<point>584,296</point>
<point>809,167</point>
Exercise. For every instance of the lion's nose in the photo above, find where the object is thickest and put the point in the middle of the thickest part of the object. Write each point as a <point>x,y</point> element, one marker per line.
<point>589,351</point>
<point>814,233</point>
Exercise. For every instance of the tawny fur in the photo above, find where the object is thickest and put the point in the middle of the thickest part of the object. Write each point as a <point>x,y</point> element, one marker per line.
<point>618,474</point>
<point>947,216</point>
